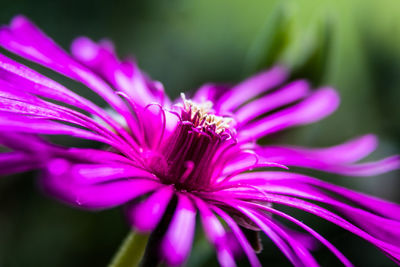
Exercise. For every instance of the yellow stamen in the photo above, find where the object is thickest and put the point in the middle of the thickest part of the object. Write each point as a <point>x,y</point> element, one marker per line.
<point>204,117</point>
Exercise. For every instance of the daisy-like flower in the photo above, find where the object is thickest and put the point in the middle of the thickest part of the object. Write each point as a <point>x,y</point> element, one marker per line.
<point>169,161</point>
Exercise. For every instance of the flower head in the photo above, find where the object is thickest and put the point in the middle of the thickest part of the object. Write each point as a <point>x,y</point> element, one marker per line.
<point>170,160</point>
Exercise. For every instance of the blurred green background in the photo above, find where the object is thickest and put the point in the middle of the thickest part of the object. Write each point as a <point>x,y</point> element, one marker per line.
<point>353,45</point>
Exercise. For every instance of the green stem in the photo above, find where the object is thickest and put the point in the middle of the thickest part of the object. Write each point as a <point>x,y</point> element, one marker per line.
<point>131,251</point>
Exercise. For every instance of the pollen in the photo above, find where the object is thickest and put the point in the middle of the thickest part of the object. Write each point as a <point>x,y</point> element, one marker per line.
<point>201,115</point>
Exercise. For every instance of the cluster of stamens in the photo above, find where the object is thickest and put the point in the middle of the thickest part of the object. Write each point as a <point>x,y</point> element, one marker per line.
<point>190,156</point>
<point>201,115</point>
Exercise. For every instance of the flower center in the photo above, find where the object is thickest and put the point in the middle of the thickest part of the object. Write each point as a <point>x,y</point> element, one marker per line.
<point>190,156</point>
<point>201,116</point>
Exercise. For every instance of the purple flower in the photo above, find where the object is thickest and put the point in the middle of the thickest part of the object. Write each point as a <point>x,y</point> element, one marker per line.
<point>189,156</point>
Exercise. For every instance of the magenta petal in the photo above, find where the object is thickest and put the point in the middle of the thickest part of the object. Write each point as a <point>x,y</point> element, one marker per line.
<point>240,237</point>
<point>322,159</point>
<point>319,105</point>
<point>20,124</point>
<point>113,194</point>
<point>89,174</point>
<point>14,162</point>
<point>378,206</point>
<point>337,253</point>
<point>153,124</point>
<point>385,229</point>
<point>26,80</point>
<point>251,87</point>
<point>212,227</point>
<point>24,104</point>
<point>336,159</point>
<point>85,50</point>
<point>29,144</point>
<point>348,152</point>
<point>215,232</point>
<point>209,92</point>
<point>60,177</point>
<point>295,251</point>
<point>146,215</point>
<point>177,242</point>
<point>306,239</point>
<point>96,155</point>
<point>108,195</point>
<point>390,248</point>
<point>25,39</point>
<point>288,94</point>
<point>369,168</point>
<point>247,161</point>
<point>30,81</point>
<point>101,59</point>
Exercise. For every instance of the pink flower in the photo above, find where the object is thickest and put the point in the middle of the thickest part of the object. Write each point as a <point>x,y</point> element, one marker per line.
<point>188,156</point>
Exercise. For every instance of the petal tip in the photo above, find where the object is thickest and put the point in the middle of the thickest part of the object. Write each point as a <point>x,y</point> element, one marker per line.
<point>18,21</point>
<point>319,105</point>
<point>84,49</point>
<point>370,139</point>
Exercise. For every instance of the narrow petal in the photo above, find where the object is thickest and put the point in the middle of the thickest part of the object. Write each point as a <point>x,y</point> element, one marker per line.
<point>59,181</point>
<point>216,234</point>
<point>387,230</point>
<point>27,105</point>
<point>335,159</point>
<point>17,127</point>
<point>332,248</point>
<point>25,39</point>
<point>288,94</point>
<point>177,242</point>
<point>247,161</point>
<point>146,215</point>
<point>95,155</point>
<point>348,152</point>
<point>389,248</point>
<point>306,239</point>
<point>102,60</point>
<point>378,206</point>
<point>294,251</point>
<point>15,162</point>
<point>29,144</point>
<point>24,125</point>
<point>90,174</point>
<point>319,105</point>
<point>26,80</point>
<point>250,88</point>
<point>209,92</point>
<point>31,81</point>
<point>368,168</point>
<point>153,124</point>
<point>38,148</point>
<point>113,194</point>
<point>240,237</point>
